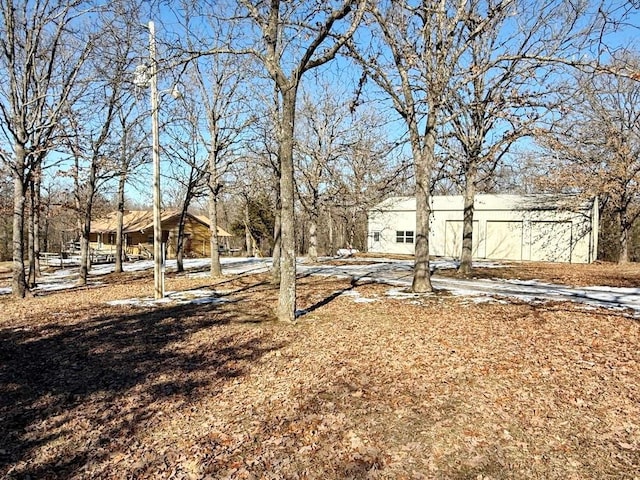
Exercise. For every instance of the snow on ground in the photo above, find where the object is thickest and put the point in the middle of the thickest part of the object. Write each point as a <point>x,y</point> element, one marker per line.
<point>199,296</point>
<point>397,273</point>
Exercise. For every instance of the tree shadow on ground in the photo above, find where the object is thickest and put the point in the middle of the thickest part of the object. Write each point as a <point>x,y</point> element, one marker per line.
<point>92,383</point>
<point>354,281</point>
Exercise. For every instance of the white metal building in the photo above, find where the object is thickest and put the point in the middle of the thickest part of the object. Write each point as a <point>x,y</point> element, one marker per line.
<point>554,228</point>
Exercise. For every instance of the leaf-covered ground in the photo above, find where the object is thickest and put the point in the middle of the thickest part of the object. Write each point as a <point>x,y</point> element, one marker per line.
<point>362,386</point>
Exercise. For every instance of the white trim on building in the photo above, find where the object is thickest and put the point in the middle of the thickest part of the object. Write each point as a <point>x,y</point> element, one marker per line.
<point>554,228</point>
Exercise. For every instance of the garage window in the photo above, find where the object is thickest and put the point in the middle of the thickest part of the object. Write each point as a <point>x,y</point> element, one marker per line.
<point>404,236</point>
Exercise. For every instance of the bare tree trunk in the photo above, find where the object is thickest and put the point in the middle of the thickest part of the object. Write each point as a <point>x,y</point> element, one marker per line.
<point>45,243</point>
<point>625,228</point>
<point>214,187</point>
<point>313,235</point>
<point>467,221</point>
<point>31,221</point>
<point>19,286</point>
<point>85,253</point>
<point>247,233</point>
<point>423,165</point>
<point>119,223</point>
<point>180,239</point>
<point>352,226</point>
<point>34,227</point>
<point>332,247</point>
<point>37,220</point>
<point>277,244</point>
<point>216,268</point>
<point>287,296</point>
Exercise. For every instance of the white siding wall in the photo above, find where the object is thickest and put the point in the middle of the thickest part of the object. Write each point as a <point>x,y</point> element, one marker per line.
<point>384,225</point>
<point>506,227</point>
<point>504,240</point>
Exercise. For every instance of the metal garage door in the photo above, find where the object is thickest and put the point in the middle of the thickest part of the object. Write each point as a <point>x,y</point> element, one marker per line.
<point>453,238</point>
<point>551,241</point>
<point>504,240</point>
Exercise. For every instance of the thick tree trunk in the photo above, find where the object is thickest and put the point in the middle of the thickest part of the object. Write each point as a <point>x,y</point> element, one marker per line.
<point>19,286</point>
<point>467,220</point>
<point>287,295</point>
<point>421,275</point>
<point>423,165</point>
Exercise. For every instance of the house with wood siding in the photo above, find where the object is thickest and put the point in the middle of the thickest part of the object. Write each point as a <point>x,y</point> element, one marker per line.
<point>138,233</point>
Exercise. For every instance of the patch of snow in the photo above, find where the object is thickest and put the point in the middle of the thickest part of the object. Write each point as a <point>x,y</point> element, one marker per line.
<point>357,298</point>
<point>346,252</point>
<point>364,300</point>
<point>188,297</point>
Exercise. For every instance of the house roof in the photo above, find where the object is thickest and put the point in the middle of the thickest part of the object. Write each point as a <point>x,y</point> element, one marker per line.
<point>141,220</point>
<point>205,220</point>
<point>491,202</point>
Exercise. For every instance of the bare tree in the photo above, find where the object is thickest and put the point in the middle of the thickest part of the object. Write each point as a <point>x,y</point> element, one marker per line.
<point>91,123</point>
<point>295,37</point>
<point>371,168</point>
<point>596,145</point>
<point>221,88</point>
<point>506,82</point>
<point>187,167</point>
<point>321,137</point>
<point>264,151</point>
<point>250,184</point>
<point>425,44</point>
<point>40,56</point>
<point>132,145</point>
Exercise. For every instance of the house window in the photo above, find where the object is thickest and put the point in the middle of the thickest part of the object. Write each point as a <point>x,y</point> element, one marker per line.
<point>376,236</point>
<point>150,239</point>
<point>404,236</point>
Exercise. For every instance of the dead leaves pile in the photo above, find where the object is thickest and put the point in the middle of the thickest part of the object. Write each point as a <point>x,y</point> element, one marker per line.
<point>392,389</point>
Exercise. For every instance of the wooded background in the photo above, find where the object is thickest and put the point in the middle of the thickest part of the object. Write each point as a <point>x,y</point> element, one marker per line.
<point>294,118</point>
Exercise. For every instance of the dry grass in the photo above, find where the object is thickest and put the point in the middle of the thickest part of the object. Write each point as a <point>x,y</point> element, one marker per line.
<point>430,387</point>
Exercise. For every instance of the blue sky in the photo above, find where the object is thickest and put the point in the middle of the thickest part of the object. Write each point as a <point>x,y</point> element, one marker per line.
<point>341,72</point>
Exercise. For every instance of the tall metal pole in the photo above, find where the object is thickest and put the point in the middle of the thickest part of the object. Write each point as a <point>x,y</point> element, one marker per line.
<point>158,284</point>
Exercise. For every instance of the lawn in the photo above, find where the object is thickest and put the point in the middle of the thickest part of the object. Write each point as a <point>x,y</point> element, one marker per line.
<point>364,385</point>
